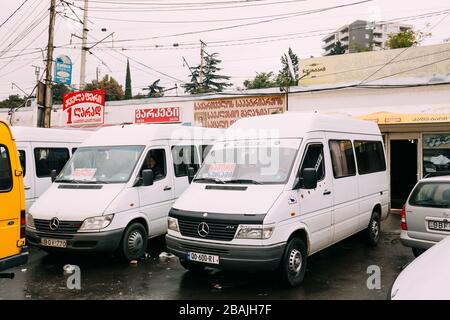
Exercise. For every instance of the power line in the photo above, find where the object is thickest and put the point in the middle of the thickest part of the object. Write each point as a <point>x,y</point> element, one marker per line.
<point>12,14</point>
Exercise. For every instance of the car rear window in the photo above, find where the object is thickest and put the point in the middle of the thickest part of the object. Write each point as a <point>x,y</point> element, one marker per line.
<point>431,194</point>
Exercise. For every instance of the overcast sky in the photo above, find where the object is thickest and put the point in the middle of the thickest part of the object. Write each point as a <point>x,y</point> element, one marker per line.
<point>141,25</point>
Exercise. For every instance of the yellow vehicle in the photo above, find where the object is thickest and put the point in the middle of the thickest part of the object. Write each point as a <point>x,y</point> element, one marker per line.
<point>13,251</point>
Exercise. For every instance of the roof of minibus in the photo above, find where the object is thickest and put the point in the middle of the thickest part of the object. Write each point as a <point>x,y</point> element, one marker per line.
<point>296,125</point>
<point>33,134</point>
<point>142,134</point>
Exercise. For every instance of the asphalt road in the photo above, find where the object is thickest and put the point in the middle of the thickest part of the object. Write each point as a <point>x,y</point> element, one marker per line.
<point>339,272</point>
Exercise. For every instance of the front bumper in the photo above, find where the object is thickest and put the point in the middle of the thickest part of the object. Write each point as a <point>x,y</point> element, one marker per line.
<point>408,241</point>
<point>107,241</point>
<point>231,257</point>
<point>16,260</point>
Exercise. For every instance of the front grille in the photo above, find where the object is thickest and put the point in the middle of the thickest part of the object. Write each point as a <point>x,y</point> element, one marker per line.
<point>217,230</point>
<point>191,248</point>
<point>64,226</point>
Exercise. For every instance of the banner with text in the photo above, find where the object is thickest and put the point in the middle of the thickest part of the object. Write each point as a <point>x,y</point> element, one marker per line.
<point>157,115</point>
<point>222,113</point>
<point>84,108</point>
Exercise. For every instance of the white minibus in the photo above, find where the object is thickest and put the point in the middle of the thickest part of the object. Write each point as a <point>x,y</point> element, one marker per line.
<point>116,191</point>
<point>277,189</point>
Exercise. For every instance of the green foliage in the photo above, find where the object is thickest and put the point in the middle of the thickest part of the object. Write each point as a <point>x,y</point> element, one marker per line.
<point>284,77</point>
<point>404,39</point>
<point>13,101</point>
<point>261,80</point>
<point>128,94</point>
<point>58,91</point>
<point>155,90</point>
<point>212,82</point>
<point>337,49</point>
<point>113,90</point>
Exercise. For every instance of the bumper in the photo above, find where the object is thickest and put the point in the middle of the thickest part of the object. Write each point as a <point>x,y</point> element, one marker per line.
<point>15,261</point>
<point>231,257</point>
<point>407,241</point>
<point>107,241</point>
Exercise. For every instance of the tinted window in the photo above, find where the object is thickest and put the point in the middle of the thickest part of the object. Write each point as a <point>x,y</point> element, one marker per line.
<point>432,194</point>
<point>205,150</point>
<point>5,170</point>
<point>183,158</point>
<point>156,161</point>
<point>369,156</point>
<point>314,159</point>
<point>48,159</point>
<point>23,161</point>
<point>73,150</point>
<point>342,158</point>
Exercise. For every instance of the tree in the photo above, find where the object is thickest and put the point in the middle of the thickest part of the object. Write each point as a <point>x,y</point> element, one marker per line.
<point>337,49</point>
<point>113,90</point>
<point>212,82</point>
<point>405,39</point>
<point>155,90</point>
<point>261,80</point>
<point>58,92</point>
<point>128,94</point>
<point>13,101</point>
<point>284,77</point>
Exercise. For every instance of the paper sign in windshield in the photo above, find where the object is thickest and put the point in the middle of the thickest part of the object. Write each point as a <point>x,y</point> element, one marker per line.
<point>84,173</point>
<point>221,170</point>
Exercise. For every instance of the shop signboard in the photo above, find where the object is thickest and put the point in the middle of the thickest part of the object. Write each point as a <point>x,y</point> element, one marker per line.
<point>85,107</point>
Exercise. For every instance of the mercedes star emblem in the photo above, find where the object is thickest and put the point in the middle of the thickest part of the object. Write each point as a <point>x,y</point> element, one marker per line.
<point>54,224</point>
<point>203,229</point>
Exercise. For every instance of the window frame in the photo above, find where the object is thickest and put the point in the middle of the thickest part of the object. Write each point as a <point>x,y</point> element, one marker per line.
<point>164,167</point>
<point>36,164</point>
<point>331,157</point>
<point>24,166</point>
<point>383,154</point>
<point>8,154</point>
<point>196,156</point>
<point>304,157</point>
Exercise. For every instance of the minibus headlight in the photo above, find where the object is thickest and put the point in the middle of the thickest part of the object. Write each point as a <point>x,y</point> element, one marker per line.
<point>172,224</point>
<point>255,231</point>
<point>94,223</point>
<point>30,222</point>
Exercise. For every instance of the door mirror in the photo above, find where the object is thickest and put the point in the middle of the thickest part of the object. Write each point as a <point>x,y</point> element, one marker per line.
<point>147,177</point>
<point>53,175</point>
<point>191,174</point>
<point>309,178</point>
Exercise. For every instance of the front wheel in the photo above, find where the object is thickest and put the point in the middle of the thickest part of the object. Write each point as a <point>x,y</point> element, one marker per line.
<point>293,264</point>
<point>134,242</point>
<point>373,230</point>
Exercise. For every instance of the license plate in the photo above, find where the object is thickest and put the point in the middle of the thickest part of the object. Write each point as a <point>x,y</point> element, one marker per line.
<point>439,225</point>
<point>201,257</point>
<point>54,243</point>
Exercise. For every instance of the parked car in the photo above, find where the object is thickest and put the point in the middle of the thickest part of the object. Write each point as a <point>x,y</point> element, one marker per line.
<point>426,214</point>
<point>116,191</point>
<point>42,150</point>
<point>320,180</point>
<point>13,251</point>
<point>427,277</point>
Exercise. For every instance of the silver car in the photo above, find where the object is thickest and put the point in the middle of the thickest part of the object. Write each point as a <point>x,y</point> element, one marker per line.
<point>426,214</point>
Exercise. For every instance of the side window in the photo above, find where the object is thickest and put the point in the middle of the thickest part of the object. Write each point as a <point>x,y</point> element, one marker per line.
<point>205,150</point>
<point>6,181</point>
<point>48,159</point>
<point>370,156</point>
<point>314,159</point>
<point>342,158</point>
<point>155,160</point>
<point>23,162</point>
<point>183,158</point>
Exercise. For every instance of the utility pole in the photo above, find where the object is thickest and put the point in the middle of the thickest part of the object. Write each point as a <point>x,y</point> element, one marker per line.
<point>202,61</point>
<point>49,68</point>
<point>84,49</point>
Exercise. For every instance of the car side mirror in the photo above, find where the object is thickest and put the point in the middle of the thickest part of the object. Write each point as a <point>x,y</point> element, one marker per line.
<point>53,175</point>
<point>309,178</point>
<point>191,174</point>
<point>147,177</point>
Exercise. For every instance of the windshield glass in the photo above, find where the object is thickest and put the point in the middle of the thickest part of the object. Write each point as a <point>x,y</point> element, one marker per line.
<point>432,194</point>
<point>101,164</point>
<point>249,162</point>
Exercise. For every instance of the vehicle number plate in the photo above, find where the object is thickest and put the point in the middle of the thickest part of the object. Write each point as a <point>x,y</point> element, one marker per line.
<point>201,257</point>
<point>54,243</point>
<point>439,225</point>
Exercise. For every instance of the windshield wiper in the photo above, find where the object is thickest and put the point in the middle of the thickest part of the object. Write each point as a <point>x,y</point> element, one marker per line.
<point>214,180</point>
<point>243,181</point>
<point>67,181</point>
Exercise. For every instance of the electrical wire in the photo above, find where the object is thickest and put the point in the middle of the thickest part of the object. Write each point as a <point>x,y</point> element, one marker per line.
<point>12,14</point>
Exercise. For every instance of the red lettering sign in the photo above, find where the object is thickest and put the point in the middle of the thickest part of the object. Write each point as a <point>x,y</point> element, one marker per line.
<point>85,107</point>
<point>157,115</point>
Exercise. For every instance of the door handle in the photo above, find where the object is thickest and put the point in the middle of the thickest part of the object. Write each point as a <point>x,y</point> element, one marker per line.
<point>27,188</point>
<point>167,188</point>
<point>326,192</point>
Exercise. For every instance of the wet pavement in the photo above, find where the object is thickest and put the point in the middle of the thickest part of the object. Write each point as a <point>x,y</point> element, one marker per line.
<point>339,272</point>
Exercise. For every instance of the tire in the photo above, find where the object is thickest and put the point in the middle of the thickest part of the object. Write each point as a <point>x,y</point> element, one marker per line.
<point>133,243</point>
<point>293,264</point>
<point>373,231</point>
<point>193,267</point>
<point>417,251</point>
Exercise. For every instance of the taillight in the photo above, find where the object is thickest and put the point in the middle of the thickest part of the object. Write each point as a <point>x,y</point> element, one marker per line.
<point>23,223</point>
<point>404,226</point>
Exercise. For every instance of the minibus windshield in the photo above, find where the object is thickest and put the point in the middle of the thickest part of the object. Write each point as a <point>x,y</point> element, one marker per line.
<point>260,162</point>
<point>101,165</point>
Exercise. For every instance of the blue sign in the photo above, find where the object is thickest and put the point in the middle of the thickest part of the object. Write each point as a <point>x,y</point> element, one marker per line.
<point>63,70</point>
